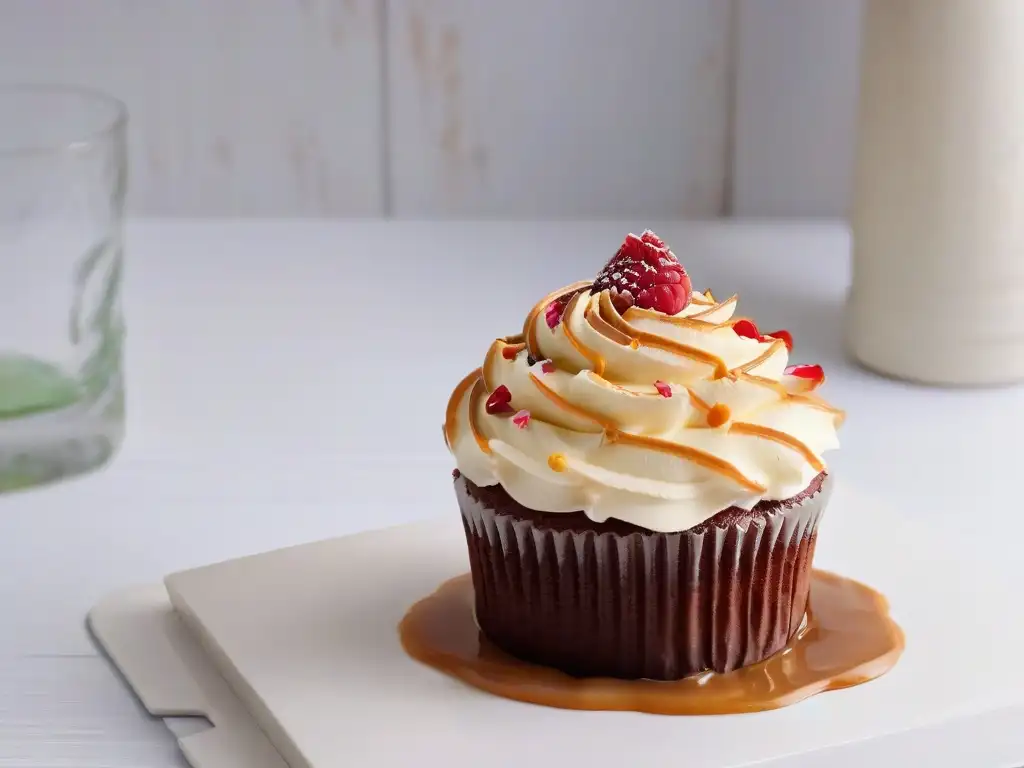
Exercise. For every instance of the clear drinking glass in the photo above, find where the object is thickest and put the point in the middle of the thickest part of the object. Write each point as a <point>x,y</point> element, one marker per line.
<point>63,169</point>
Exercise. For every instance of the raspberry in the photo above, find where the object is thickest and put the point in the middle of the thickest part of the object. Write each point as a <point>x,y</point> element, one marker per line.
<point>645,273</point>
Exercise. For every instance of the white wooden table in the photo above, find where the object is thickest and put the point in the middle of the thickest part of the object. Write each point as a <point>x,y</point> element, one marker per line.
<point>286,383</point>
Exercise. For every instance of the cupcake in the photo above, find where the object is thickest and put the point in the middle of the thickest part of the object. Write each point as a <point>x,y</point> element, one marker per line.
<point>640,478</point>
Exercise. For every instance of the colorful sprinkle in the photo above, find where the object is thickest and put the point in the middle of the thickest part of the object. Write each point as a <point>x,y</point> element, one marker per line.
<point>509,353</point>
<point>812,372</point>
<point>499,401</point>
<point>663,389</point>
<point>456,474</point>
<point>553,314</point>
<point>521,419</point>
<point>785,336</point>
<point>718,415</point>
<point>746,329</point>
<point>547,367</point>
<point>634,344</point>
<point>557,462</point>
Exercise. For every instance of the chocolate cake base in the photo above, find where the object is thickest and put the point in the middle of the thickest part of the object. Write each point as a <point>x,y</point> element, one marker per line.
<point>614,600</point>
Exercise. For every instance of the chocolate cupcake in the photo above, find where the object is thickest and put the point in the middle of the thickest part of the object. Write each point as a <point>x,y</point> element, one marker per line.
<point>640,478</point>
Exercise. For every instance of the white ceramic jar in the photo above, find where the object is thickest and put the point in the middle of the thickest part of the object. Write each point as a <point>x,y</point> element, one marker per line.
<point>938,215</point>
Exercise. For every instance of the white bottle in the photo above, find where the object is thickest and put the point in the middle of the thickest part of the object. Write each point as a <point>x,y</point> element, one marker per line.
<point>938,214</point>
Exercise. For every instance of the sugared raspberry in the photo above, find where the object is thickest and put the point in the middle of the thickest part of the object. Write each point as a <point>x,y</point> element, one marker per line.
<point>645,273</point>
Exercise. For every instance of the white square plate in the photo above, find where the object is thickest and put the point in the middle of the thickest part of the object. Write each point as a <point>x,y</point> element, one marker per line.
<point>306,637</point>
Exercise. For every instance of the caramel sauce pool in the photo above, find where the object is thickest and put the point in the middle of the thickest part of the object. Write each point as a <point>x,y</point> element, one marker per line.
<point>848,639</point>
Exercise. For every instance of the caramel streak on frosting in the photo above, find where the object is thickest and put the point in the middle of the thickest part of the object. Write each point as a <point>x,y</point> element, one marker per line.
<point>697,456</point>
<point>612,316</point>
<point>530,326</point>
<point>781,438</point>
<point>598,379</point>
<point>703,299</point>
<point>760,358</point>
<point>815,402</point>
<point>684,322</point>
<point>713,308</point>
<point>599,324</point>
<point>489,359</point>
<point>568,407</point>
<point>474,414</point>
<point>452,411</point>
<point>697,402</point>
<point>763,382</point>
<point>595,360</point>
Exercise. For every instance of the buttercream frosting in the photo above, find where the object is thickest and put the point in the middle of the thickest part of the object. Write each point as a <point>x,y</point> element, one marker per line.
<point>660,421</point>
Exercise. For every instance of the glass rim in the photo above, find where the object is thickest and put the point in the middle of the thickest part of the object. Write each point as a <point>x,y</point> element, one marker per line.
<point>117,120</point>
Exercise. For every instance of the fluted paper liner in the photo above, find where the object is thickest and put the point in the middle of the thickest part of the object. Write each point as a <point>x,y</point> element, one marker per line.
<point>642,605</point>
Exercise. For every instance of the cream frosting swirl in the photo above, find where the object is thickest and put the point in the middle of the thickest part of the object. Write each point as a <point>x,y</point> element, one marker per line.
<point>660,421</point>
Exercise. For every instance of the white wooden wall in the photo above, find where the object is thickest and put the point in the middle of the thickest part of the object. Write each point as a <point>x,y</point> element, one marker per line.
<point>796,95</point>
<point>572,108</point>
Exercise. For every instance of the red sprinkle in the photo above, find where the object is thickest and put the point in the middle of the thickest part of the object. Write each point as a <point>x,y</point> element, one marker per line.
<point>812,372</point>
<point>456,474</point>
<point>509,353</point>
<point>521,419</point>
<point>499,400</point>
<point>663,389</point>
<point>785,336</point>
<point>553,314</point>
<point>547,366</point>
<point>746,329</point>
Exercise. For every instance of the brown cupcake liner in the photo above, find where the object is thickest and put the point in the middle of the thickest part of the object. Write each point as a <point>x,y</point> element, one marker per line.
<point>642,605</point>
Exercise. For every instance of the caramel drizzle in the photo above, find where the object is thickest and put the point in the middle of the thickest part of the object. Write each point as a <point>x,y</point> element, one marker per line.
<point>697,456</point>
<point>815,402</point>
<point>565,405</point>
<point>781,438</point>
<point>474,408</point>
<point>657,342</point>
<point>683,322</point>
<point>801,398</point>
<point>764,381</point>
<point>492,355</point>
<point>530,326</point>
<point>595,360</point>
<point>760,358</point>
<point>598,324</point>
<point>713,308</point>
<point>697,401</point>
<point>499,345</point>
<point>452,411</point>
<point>599,380</point>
